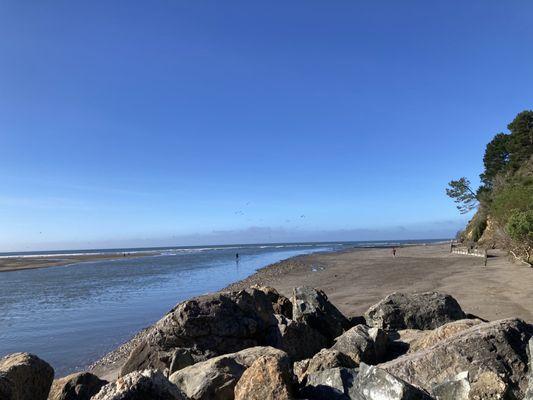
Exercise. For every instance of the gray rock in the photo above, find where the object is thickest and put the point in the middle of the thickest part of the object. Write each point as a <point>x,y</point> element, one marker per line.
<point>331,384</point>
<point>529,391</point>
<point>24,376</point>
<point>147,355</point>
<point>413,340</point>
<point>78,386</point>
<point>365,383</point>
<point>140,385</point>
<point>281,304</point>
<point>373,383</point>
<point>426,339</point>
<point>215,379</point>
<point>297,339</point>
<point>313,307</point>
<point>300,369</point>
<point>381,342</point>
<point>414,311</point>
<point>457,388</point>
<point>362,344</point>
<point>328,359</point>
<point>494,354</point>
<point>181,358</point>
<point>208,325</point>
<point>487,385</point>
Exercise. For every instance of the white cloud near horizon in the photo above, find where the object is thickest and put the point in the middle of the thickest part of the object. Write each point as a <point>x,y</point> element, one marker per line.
<point>261,234</point>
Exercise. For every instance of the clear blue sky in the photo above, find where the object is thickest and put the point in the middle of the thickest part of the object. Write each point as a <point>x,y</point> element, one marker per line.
<point>178,122</point>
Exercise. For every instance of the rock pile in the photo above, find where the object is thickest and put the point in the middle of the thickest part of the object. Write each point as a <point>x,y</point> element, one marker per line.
<point>257,344</point>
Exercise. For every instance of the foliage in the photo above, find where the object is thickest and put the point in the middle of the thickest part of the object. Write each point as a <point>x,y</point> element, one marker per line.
<point>496,158</point>
<point>516,195</point>
<point>462,195</point>
<point>520,143</point>
<point>520,225</point>
<point>520,229</point>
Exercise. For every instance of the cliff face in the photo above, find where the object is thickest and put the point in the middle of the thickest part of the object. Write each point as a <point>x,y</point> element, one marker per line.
<point>475,227</point>
<point>493,235</point>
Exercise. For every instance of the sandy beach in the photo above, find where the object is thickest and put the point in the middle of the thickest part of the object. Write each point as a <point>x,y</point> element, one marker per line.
<point>32,262</point>
<point>355,279</point>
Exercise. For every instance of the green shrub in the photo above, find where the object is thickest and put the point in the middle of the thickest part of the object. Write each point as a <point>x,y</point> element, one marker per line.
<point>517,195</point>
<point>520,230</point>
<point>520,226</point>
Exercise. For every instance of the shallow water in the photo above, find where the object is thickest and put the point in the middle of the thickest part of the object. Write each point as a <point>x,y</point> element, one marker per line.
<point>72,315</point>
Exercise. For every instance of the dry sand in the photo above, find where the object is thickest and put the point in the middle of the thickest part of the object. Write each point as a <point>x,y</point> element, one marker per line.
<point>356,279</point>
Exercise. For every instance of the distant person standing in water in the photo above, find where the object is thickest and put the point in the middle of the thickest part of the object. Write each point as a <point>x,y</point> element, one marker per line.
<point>394,252</point>
<point>237,256</point>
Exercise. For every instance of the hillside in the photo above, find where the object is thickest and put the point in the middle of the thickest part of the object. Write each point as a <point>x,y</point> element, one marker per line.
<point>503,203</point>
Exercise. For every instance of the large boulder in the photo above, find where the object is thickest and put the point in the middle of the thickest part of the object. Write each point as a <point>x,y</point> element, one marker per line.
<point>215,379</point>
<point>297,339</point>
<point>323,360</point>
<point>486,351</point>
<point>487,385</point>
<point>147,355</point>
<point>268,378</point>
<point>414,311</point>
<point>313,307</point>
<point>374,383</point>
<point>24,376</point>
<point>140,385</point>
<point>181,358</point>
<point>457,388</point>
<point>413,340</point>
<point>427,339</point>
<point>208,326</point>
<point>78,386</point>
<point>281,304</point>
<point>365,383</point>
<point>331,384</point>
<point>362,344</point>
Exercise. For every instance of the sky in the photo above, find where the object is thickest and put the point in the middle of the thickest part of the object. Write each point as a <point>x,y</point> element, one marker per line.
<point>156,123</point>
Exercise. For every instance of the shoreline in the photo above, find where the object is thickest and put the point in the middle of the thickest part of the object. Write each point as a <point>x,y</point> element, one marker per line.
<point>356,278</point>
<point>105,368</point>
<point>21,263</point>
<point>18,262</point>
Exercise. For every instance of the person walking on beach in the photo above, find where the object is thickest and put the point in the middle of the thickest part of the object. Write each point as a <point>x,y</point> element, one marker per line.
<point>394,252</point>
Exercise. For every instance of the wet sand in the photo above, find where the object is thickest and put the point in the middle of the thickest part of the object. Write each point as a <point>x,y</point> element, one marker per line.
<point>31,262</point>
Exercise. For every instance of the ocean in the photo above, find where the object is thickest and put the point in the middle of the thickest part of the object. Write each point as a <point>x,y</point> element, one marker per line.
<point>72,315</point>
